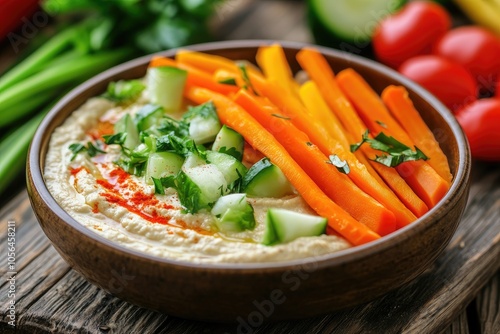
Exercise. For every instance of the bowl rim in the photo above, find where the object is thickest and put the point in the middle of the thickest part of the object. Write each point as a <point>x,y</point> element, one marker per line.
<point>36,161</point>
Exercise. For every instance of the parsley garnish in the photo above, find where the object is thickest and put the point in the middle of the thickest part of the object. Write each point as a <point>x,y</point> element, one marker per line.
<point>382,124</point>
<point>228,81</point>
<point>341,165</point>
<point>124,91</point>
<point>244,74</point>
<point>397,152</point>
<point>91,149</point>
<point>116,139</point>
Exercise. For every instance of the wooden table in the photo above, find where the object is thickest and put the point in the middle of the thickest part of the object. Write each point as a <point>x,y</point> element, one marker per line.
<point>459,294</point>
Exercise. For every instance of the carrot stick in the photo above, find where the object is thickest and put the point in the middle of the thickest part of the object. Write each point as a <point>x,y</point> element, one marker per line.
<point>211,63</point>
<point>401,107</point>
<point>251,155</point>
<point>421,177</point>
<point>158,61</point>
<point>272,60</point>
<point>237,118</point>
<point>328,145</point>
<point>316,66</point>
<point>314,102</point>
<point>334,184</point>
<point>195,76</point>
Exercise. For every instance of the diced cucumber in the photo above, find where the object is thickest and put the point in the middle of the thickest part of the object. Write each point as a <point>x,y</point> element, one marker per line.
<point>231,168</point>
<point>165,86</point>
<point>233,213</point>
<point>348,24</point>
<point>148,116</point>
<point>209,179</point>
<point>230,142</point>
<point>203,130</point>
<point>203,123</point>
<point>127,125</point>
<point>162,164</point>
<point>283,226</point>
<point>193,160</point>
<point>265,179</point>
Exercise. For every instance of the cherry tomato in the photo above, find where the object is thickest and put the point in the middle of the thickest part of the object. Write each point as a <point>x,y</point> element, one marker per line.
<point>410,32</point>
<point>452,84</point>
<point>497,94</point>
<point>475,48</point>
<point>480,122</point>
<point>13,12</point>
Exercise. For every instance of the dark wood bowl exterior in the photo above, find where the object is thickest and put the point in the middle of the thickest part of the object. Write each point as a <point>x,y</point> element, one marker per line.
<point>256,292</point>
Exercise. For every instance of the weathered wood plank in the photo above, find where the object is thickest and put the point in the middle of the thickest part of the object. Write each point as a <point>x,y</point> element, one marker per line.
<point>53,298</point>
<point>459,326</point>
<point>270,19</point>
<point>488,306</point>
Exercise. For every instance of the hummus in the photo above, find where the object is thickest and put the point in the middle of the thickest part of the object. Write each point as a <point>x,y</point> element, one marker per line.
<point>125,209</point>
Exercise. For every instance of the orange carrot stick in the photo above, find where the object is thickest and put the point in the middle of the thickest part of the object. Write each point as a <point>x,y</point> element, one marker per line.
<point>211,63</point>
<point>421,177</point>
<point>237,118</point>
<point>272,60</point>
<point>333,183</point>
<point>195,76</point>
<point>402,109</point>
<point>328,145</point>
<point>314,102</point>
<point>316,66</point>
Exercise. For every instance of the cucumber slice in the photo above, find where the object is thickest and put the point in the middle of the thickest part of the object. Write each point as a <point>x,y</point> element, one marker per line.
<point>148,116</point>
<point>203,130</point>
<point>165,87</point>
<point>127,125</point>
<point>209,180</point>
<point>231,168</point>
<point>348,24</point>
<point>265,179</point>
<point>193,160</point>
<point>283,226</point>
<point>203,123</point>
<point>162,164</point>
<point>230,142</point>
<point>233,213</point>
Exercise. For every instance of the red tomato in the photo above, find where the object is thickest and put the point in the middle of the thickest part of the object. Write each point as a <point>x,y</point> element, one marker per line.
<point>410,32</point>
<point>475,48</point>
<point>480,122</point>
<point>448,81</point>
<point>13,12</point>
<point>497,94</point>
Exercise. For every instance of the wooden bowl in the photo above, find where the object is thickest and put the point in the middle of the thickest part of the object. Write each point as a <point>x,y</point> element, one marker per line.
<point>260,291</point>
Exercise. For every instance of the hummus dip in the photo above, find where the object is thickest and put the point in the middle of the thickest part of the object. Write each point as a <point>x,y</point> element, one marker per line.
<point>123,208</point>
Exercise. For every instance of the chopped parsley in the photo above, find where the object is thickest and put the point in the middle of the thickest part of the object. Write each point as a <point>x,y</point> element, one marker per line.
<point>91,149</point>
<point>397,152</point>
<point>342,165</point>
<point>124,91</point>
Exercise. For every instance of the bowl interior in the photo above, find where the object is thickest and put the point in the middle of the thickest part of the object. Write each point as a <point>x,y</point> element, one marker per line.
<point>439,119</point>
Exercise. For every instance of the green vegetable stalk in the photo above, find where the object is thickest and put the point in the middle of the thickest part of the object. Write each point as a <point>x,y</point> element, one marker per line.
<point>106,33</point>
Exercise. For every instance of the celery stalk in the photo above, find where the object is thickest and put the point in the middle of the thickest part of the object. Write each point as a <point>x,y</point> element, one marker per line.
<point>14,148</point>
<point>54,77</point>
<point>37,59</point>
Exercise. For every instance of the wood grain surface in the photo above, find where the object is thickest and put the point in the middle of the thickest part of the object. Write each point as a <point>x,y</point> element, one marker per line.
<point>449,297</point>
